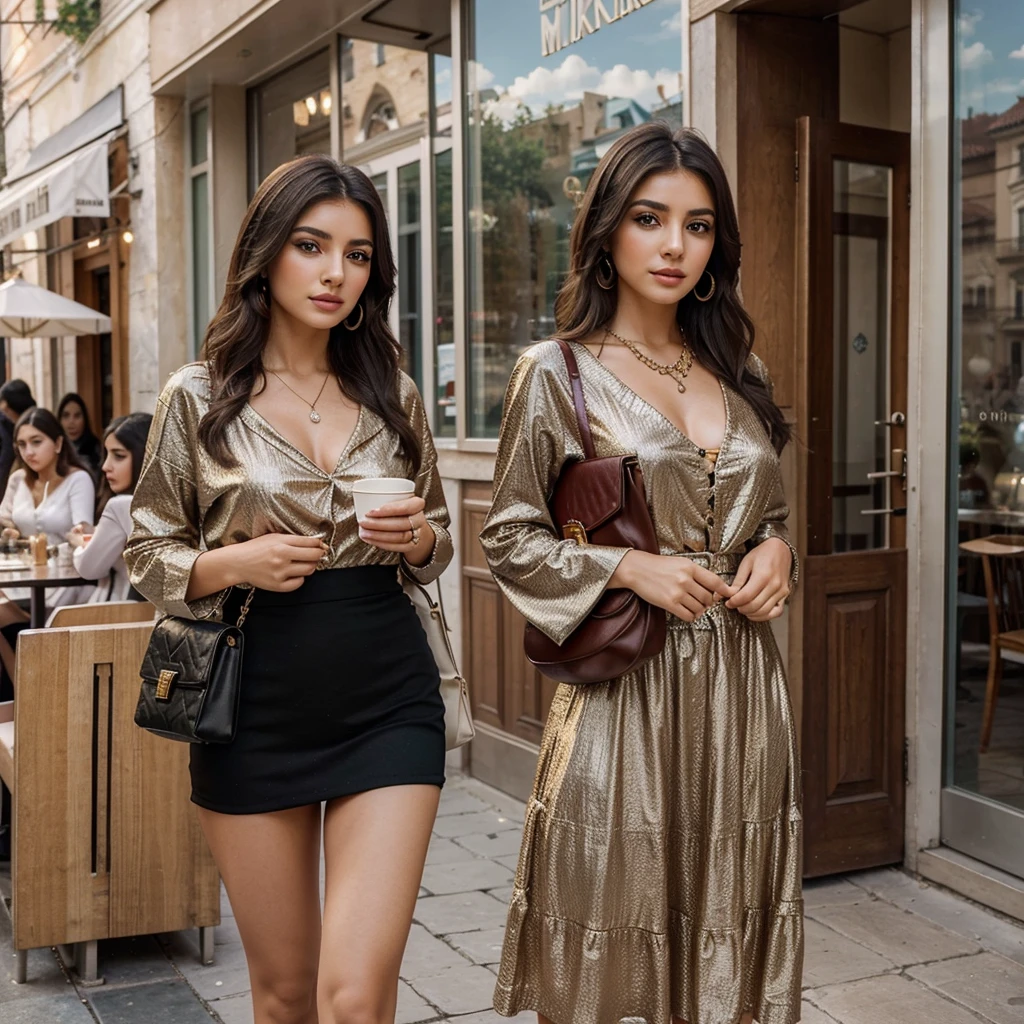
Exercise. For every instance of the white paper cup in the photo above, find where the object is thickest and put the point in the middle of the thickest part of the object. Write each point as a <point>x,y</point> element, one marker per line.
<point>373,492</point>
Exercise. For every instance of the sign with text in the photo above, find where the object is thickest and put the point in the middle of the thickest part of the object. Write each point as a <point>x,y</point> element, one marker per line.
<point>564,22</point>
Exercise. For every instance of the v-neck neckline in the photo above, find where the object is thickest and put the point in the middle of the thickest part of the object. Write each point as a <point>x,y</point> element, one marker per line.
<point>48,494</point>
<point>675,427</point>
<point>292,447</point>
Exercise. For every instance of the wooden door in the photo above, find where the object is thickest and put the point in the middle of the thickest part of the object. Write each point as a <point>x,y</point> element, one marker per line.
<point>853,249</point>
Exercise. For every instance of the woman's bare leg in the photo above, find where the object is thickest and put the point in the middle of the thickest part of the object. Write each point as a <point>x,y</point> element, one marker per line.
<point>7,657</point>
<point>270,864</point>
<point>375,844</point>
<point>10,613</point>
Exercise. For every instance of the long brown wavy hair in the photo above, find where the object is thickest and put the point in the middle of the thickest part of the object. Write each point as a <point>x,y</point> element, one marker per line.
<point>719,331</point>
<point>365,361</point>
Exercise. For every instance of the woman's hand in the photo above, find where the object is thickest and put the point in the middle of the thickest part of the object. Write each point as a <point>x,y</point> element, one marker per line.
<point>679,585</point>
<point>76,536</point>
<point>276,561</point>
<point>400,526</point>
<point>761,584</point>
<point>10,533</point>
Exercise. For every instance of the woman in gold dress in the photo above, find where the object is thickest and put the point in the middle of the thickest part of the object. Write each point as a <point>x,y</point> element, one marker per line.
<point>659,876</point>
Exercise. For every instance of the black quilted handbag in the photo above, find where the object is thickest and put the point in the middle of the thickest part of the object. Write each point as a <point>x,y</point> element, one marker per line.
<point>191,678</point>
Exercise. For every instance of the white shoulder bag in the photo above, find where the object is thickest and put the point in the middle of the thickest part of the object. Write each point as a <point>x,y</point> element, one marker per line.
<point>458,718</point>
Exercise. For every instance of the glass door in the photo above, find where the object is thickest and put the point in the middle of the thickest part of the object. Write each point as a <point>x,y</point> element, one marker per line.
<point>983,791</point>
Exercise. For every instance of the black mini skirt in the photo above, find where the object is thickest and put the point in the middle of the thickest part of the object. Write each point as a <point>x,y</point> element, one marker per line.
<point>340,694</point>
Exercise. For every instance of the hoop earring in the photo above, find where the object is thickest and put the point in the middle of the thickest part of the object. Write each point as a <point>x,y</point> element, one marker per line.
<point>711,290</point>
<point>606,273</point>
<point>358,323</point>
<point>263,297</point>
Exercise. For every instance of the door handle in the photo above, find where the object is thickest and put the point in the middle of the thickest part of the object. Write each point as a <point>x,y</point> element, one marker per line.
<point>898,513</point>
<point>882,474</point>
<point>897,419</point>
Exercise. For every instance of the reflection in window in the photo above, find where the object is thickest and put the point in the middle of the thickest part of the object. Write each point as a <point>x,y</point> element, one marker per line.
<point>199,188</point>
<point>536,128</point>
<point>293,114</point>
<point>988,333</point>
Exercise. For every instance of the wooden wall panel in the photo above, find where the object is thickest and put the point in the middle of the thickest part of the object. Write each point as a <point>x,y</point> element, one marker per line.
<point>787,68</point>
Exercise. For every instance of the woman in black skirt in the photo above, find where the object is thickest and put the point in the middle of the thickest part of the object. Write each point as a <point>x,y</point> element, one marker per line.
<point>248,481</point>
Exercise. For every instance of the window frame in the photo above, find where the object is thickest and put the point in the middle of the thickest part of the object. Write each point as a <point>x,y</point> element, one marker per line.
<point>193,171</point>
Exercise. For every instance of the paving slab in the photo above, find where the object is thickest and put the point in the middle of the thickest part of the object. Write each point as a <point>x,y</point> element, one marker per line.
<point>443,879</point>
<point>891,999</point>
<point>945,909</point>
<point>902,937</point>
<point>509,860</point>
<point>444,851</point>
<point>483,947</point>
<point>831,958</point>
<point>412,1007</point>
<point>825,892</point>
<point>234,1009</point>
<point>485,822</point>
<point>161,1002</point>
<point>134,961</point>
<point>809,1015</point>
<point>457,990</point>
<point>457,801</point>
<point>460,912</point>
<point>502,895</point>
<point>987,983</point>
<point>62,1009</point>
<point>490,1017</point>
<point>493,844</point>
<point>426,955</point>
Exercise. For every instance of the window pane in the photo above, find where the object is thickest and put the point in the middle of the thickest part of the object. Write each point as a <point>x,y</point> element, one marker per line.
<point>293,114</point>
<point>860,301</point>
<point>444,262</point>
<point>410,320</point>
<point>200,126</point>
<point>988,332</point>
<point>200,257</point>
<point>541,110</point>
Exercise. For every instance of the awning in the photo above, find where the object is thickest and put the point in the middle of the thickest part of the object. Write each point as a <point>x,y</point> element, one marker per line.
<point>77,186</point>
<point>65,175</point>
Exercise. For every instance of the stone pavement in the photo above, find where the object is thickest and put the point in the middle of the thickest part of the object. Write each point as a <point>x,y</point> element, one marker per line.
<point>882,948</point>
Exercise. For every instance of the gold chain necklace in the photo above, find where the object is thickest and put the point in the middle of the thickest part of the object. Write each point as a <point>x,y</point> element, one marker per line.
<point>677,370</point>
<point>313,414</point>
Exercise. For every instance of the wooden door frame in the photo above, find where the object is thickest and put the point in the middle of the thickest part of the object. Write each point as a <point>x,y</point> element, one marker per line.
<point>857,821</point>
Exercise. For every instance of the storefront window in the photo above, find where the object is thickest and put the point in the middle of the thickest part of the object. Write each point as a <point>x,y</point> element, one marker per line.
<point>985,723</point>
<point>292,114</point>
<point>545,99</point>
<point>444,256</point>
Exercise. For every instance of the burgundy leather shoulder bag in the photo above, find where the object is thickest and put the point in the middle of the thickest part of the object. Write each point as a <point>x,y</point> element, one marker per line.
<point>601,501</point>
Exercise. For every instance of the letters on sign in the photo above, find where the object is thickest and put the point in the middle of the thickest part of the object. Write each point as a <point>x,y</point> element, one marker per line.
<point>564,22</point>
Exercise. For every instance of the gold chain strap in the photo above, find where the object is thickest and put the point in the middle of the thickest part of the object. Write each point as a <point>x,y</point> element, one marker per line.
<point>245,608</point>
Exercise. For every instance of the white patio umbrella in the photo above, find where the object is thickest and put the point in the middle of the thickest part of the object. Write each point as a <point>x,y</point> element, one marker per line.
<point>28,311</point>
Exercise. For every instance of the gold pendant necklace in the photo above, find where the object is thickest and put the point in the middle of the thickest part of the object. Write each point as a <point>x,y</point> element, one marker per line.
<point>313,414</point>
<point>677,370</point>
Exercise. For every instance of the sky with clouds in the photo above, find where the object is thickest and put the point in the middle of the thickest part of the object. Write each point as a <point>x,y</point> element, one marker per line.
<point>991,55</point>
<point>629,58</point>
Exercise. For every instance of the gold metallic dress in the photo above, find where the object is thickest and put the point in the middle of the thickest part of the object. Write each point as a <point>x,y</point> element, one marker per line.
<point>661,862</point>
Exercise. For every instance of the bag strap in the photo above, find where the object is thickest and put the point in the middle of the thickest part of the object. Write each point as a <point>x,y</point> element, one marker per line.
<point>576,383</point>
<point>245,608</point>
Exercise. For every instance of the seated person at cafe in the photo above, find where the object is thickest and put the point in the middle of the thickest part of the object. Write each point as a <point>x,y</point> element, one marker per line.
<point>102,557</point>
<point>48,492</point>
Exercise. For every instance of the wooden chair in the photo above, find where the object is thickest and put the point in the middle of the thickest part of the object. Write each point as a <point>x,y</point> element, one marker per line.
<point>102,613</point>
<point>105,842</point>
<point>1002,560</point>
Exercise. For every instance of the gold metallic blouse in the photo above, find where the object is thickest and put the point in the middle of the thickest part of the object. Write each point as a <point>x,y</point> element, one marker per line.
<point>554,583</point>
<point>186,502</point>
